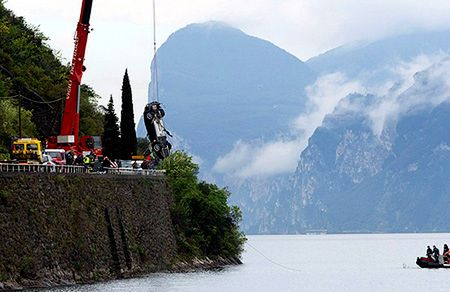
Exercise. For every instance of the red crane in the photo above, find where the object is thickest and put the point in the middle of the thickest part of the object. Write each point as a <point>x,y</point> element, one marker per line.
<point>68,137</point>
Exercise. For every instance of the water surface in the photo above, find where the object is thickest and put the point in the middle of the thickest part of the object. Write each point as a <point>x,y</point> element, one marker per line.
<point>381,262</point>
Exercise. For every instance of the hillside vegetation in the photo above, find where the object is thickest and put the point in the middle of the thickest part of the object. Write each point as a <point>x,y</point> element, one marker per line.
<point>31,72</point>
<point>204,223</point>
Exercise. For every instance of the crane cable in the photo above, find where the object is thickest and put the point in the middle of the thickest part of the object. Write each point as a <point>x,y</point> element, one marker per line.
<point>272,261</point>
<point>155,63</point>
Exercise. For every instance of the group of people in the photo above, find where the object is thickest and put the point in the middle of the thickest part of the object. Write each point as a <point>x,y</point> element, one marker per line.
<point>91,161</point>
<point>435,255</point>
<point>96,164</point>
<point>73,158</point>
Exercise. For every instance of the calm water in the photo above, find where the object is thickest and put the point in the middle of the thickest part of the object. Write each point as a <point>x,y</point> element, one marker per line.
<point>384,262</point>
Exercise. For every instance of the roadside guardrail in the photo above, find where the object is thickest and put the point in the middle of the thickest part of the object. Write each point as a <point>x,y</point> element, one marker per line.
<point>15,167</point>
<point>130,171</point>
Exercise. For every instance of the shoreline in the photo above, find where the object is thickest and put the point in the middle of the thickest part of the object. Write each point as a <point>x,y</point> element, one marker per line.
<point>66,279</point>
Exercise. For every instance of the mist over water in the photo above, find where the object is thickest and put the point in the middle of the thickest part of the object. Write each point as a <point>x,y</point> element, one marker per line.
<point>380,262</point>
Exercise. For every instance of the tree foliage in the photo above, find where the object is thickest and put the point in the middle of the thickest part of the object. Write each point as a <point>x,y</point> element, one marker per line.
<point>29,66</point>
<point>91,116</point>
<point>9,125</point>
<point>31,69</point>
<point>111,133</point>
<point>127,126</point>
<point>205,225</point>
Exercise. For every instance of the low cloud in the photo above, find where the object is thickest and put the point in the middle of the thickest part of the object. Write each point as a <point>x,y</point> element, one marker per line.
<point>409,89</point>
<point>253,159</point>
<point>250,159</point>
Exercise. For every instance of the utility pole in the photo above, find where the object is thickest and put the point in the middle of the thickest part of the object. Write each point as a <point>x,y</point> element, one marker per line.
<point>20,115</point>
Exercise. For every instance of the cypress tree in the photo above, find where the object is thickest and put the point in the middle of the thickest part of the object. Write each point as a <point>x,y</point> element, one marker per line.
<point>127,126</point>
<point>111,133</point>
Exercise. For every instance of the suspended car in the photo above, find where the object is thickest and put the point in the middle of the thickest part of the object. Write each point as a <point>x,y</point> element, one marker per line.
<point>156,132</point>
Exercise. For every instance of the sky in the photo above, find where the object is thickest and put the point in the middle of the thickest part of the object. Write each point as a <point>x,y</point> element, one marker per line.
<point>123,30</point>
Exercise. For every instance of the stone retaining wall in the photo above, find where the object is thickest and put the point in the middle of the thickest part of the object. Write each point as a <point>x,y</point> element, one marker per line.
<point>61,229</point>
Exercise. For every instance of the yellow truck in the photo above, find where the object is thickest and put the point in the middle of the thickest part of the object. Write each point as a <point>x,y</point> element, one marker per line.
<point>27,150</point>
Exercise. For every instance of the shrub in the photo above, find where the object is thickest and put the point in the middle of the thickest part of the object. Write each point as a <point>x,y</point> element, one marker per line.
<point>204,223</point>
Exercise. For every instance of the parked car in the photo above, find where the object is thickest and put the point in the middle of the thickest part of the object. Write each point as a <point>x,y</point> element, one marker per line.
<point>58,155</point>
<point>47,160</point>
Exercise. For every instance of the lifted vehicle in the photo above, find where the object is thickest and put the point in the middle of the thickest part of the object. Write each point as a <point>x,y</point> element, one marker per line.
<point>156,132</point>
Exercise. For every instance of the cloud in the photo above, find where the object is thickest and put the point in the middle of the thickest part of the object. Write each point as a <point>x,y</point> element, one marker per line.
<point>323,97</point>
<point>409,91</point>
<point>406,91</point>
<point>250,159</point>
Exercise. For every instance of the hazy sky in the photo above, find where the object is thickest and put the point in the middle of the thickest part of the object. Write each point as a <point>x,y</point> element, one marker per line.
<point>122,36</point>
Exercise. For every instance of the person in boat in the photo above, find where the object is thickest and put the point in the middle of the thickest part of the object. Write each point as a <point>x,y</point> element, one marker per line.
<point>436,253</point>
<point>446,253</point>
<point>429,252</point>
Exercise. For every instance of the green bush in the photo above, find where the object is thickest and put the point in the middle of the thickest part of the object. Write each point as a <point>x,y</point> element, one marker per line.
<point>205,225</point>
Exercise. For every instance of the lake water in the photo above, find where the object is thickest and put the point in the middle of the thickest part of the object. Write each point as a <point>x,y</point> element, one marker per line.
<point>381,262</point>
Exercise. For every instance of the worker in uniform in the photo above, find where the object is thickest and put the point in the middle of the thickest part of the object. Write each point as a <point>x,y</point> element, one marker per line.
<point>87,161</point>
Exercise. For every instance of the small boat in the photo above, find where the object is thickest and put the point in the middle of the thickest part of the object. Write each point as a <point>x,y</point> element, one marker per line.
<point>428,263</point>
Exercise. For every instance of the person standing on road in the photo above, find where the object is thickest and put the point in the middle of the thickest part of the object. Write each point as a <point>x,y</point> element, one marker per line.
<point>87,161</point>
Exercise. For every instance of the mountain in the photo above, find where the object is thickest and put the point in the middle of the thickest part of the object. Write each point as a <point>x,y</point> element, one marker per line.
<point>362,58</point>
<point>346,171</point>
<point>220,85</point>
<point>352,179</point>
<point>376,160</point>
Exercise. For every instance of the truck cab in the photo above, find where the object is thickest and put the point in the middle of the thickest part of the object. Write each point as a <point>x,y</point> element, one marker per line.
<point>27,150</point>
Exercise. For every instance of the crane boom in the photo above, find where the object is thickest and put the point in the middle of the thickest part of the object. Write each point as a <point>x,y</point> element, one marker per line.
<point>71,116</point>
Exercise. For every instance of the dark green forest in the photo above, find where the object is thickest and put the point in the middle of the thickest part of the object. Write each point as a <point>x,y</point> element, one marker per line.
<point>32,74</point>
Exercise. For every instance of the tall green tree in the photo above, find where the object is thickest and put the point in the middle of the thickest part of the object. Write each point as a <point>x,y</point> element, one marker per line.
<point>127,126</point>
<point>111,132</point>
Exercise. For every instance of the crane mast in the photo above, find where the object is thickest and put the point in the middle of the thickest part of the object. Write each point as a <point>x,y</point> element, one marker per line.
<point>71,116</point>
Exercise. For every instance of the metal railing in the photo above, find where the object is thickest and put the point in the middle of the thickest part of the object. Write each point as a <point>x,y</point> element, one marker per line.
<point>130,171</point>
<point>14,167</point>
<point>27,168</point>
